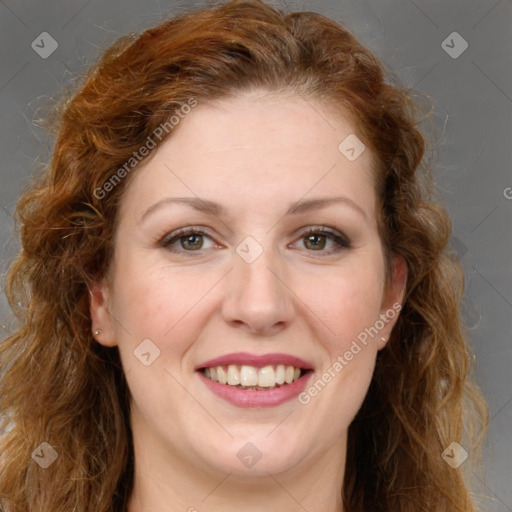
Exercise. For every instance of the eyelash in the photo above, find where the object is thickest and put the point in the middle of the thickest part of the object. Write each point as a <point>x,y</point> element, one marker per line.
<point>343,242</point>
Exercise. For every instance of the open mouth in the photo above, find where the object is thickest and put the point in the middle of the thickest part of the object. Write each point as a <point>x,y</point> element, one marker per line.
<point>254,378</point>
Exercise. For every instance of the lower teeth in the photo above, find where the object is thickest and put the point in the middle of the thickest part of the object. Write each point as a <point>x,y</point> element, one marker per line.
<point>255,388</point>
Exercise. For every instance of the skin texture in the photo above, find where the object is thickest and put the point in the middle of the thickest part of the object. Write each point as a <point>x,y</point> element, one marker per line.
<point>255,155</point>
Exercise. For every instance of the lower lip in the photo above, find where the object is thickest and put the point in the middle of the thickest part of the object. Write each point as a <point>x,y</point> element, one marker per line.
<point>252,398</point>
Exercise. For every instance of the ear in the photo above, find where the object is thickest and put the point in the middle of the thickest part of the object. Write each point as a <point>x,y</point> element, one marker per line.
<point>101,317</point>
<point>393,297</point>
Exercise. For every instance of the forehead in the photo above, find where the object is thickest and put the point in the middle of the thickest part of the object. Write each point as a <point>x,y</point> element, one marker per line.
<point>255,149</point>
<point>260,121</point>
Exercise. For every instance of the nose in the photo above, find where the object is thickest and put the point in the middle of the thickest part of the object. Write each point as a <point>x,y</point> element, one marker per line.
<point>257,297</point>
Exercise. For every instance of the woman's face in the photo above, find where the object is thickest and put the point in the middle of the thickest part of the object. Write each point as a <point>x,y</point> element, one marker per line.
<point>248,292</point>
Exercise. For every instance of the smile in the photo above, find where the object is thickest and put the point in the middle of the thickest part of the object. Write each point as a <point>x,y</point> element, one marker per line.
<point>250,380</point>
<point>254,378</point>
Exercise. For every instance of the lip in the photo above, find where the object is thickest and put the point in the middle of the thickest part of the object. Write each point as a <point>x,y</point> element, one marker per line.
<point>258,361</point>
<point>253,398</point>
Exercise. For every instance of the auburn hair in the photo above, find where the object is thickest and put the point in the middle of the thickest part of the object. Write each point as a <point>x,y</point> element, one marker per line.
<point>58,385</point>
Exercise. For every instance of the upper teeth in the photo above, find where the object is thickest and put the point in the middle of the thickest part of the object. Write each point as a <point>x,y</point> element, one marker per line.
<point>266,377</point>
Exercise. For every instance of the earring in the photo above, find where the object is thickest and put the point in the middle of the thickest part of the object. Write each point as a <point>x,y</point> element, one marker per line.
<point>383,339</point>
<point>97,332</point>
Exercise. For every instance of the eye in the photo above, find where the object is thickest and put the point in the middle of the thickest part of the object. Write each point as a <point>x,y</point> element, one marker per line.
<point>316,239</point>
<point>189,239</point>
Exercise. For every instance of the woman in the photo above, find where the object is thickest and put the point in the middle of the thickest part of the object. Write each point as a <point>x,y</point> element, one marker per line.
<point>234,288</point>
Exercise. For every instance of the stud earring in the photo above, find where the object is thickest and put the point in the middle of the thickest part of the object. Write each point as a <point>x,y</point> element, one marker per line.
<point>382,338</point>
<point>97,332</point>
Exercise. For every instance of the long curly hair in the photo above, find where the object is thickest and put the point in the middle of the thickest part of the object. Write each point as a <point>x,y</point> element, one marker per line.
<point>59,386</point>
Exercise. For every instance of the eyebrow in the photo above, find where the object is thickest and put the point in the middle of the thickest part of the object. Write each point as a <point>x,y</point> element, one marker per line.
<point>212,208</point>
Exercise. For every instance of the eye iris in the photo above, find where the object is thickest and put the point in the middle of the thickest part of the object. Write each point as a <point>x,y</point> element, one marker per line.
<point>314,239</point>
<point>190,239</point>
<point>193,241</point>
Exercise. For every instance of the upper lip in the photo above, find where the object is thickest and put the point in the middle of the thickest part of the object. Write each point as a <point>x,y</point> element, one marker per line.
<point>244,358</point>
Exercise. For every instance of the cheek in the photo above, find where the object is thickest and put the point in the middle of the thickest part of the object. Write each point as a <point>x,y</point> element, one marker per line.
<point>161,304</point>
<point>348,301</point>
<point>159,315</point>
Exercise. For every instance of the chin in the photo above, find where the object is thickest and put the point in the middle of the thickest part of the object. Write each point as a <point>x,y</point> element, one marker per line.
<point>254,456</point>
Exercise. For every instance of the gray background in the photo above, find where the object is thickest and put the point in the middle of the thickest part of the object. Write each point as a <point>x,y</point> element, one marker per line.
<point>473,102</point>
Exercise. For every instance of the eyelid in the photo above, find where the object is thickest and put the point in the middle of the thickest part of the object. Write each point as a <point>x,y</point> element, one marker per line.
<point>339,238</point>
<point>181,232</point>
